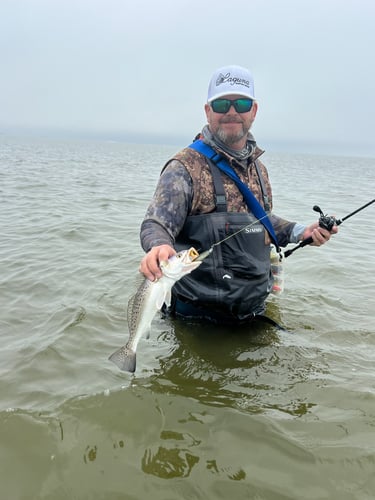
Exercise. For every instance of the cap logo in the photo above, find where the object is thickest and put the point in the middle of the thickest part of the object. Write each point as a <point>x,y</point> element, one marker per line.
<point>232,80</point>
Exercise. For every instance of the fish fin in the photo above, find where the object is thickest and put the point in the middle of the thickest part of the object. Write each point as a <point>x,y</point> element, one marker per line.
<point>126,361</point>
<point>168,298</point>
<point>161,299</point>
<point>164,298</point>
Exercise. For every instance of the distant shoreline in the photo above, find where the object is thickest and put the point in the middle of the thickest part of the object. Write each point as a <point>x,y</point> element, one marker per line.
<point>269,145</point>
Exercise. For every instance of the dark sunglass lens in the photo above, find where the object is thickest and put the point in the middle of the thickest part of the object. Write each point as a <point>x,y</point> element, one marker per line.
<point>221,105</point>
<point>242,105</point>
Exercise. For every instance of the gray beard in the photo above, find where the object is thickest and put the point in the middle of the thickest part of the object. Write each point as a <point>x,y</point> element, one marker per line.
<point>225,146</point>
<point>229,139</point>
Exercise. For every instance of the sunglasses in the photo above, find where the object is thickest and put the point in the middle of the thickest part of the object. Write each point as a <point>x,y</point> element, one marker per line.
<point>223,105</point>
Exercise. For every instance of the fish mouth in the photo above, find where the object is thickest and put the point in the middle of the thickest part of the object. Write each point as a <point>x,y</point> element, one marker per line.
<point>192,254</point>
<point>188,256</point>
<point>187,261</point>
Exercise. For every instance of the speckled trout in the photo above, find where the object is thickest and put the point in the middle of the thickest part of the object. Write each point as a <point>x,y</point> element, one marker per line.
<point>148,299</point>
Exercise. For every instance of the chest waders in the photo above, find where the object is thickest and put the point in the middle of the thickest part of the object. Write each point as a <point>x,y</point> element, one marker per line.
<point>230,286</point>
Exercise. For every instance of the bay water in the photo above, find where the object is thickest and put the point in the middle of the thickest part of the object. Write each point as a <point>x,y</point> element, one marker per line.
<point>211,412</point>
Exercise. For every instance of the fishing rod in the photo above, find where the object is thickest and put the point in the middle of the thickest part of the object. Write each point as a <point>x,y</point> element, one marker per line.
<point>326,222</point>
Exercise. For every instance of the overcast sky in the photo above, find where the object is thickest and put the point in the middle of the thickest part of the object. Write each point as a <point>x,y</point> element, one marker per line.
<point>124,68</point>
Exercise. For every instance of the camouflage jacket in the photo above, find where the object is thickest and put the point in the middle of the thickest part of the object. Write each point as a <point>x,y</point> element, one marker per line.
<point>203,200</point>
<point>186,188</point>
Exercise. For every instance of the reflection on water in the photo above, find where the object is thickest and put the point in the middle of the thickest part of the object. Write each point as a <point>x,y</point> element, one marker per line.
<point>247,368</point>
<point>168,463</point>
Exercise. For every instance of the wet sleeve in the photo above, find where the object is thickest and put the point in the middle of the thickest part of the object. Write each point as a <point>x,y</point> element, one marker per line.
<point>286,231</point>
<point>169,207</point>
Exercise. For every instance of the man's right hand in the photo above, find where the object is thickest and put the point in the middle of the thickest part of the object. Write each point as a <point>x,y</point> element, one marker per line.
<point>150,264</point>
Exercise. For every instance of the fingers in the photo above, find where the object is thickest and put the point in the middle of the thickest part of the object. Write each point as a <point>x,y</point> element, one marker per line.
<point>320,236</point>
<point>150,264</point>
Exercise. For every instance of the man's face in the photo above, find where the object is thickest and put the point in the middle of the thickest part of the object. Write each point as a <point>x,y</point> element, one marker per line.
<point>231,127</point>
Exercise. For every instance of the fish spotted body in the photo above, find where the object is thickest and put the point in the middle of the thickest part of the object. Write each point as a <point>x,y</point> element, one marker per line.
<point>149,299</point>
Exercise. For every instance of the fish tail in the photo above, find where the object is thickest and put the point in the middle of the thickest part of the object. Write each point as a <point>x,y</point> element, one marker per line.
<point>126,362</point>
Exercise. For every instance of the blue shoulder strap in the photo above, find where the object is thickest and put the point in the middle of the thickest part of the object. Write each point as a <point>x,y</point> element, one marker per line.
<point>250,199</point>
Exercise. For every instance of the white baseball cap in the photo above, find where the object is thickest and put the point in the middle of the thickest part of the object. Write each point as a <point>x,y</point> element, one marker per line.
<point>231,80</point>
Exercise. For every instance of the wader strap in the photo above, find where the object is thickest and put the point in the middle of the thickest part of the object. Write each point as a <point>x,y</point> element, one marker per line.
<point>221,201</point>
<point>220,198</point>
<point>253,204</point>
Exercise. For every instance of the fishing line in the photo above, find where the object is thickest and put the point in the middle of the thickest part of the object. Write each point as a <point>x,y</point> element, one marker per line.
<point>206,253</point>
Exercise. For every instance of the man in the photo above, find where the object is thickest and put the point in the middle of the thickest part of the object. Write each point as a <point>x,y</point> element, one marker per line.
<point>196,204</point>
